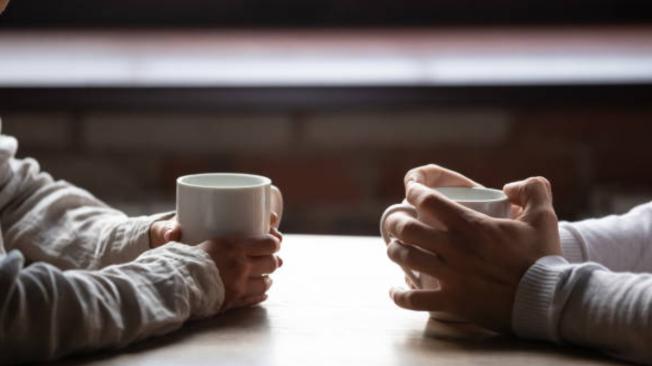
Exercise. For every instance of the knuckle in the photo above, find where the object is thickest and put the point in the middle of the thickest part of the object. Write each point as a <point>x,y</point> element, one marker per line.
<point>276,244</point>
<point>406,227</point>
<point>408,257</point>
<point>392,251</point>
<point>536,183</point>
<point>272,264</point>
<point>427,201</point>
<point>474,220</point>
<point>395,252</point>
<point>546,214</point>
<point>271,244</point>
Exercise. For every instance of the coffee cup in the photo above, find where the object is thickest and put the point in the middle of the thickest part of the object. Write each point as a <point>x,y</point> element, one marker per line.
<point>215,205</point>
<point>491,202</point>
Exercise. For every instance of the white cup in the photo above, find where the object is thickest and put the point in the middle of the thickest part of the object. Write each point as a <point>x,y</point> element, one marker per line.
<point>225,204</point>
<point>491,202</point>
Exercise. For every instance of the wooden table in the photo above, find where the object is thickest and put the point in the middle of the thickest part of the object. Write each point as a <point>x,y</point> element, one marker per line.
<point>330,306</point>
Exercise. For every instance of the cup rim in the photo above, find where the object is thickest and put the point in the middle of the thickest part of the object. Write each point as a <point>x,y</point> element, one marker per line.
<point>264,181</point>
<point>503,196</point>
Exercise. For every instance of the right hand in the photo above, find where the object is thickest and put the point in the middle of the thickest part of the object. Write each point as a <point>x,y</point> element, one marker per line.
<point>479,260</point>
<point>244,265</point>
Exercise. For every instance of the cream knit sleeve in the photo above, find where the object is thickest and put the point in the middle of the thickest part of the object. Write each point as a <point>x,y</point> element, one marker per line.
<point>46,313</point>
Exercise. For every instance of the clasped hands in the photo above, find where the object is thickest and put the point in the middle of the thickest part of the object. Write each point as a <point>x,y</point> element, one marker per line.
<point>478,260</point>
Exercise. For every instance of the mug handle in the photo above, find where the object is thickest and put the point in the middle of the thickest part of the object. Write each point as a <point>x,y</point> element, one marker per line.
<point>410,210</point>
<point>277,203</point>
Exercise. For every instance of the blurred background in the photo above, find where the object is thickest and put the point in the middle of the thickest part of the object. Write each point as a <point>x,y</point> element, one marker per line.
<point>334,100</point>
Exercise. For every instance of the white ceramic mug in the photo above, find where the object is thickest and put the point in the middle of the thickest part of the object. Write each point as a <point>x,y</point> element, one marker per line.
<point>225,204</point>
<point>491,202</point>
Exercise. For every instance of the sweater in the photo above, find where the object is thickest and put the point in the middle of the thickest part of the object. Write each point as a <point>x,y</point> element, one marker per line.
<point>599,293</point>
<point>77,275</point>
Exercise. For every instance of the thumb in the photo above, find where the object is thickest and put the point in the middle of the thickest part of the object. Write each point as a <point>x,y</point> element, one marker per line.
<point>534,195</point>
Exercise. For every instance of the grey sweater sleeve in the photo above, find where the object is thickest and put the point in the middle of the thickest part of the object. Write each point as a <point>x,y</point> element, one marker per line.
<point>581,299</point>
<point>587,305</point>
<point>46,313</point>
<point>618,242</point>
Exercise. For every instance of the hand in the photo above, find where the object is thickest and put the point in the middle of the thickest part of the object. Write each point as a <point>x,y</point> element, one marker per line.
<point>162,232</point>
<point>244,265</point>
<point>479,260</point>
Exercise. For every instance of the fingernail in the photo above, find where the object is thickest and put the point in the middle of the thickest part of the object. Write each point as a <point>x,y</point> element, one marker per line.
<point>280,262</point>
<point>268,282</point>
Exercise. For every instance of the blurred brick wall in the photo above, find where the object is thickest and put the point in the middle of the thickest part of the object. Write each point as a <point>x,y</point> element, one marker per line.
<point>338,170</point>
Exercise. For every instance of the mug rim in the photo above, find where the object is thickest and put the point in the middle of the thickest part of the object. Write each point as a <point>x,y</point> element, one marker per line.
<point>502,195</point>
<point>264,181</point>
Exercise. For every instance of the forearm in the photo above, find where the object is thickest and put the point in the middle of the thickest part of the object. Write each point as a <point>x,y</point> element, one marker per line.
<point>585,304</point>
<point>619,242</point>
<point>63,312</point>
<point>57,223</point>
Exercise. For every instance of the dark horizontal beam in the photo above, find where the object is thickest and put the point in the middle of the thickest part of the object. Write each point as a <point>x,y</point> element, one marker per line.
<point>39,13</point>
<point>298,98</point>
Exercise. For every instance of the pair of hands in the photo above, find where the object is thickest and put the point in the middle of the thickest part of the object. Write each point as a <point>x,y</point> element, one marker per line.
<point>478,260</point>
<point>244,263</point>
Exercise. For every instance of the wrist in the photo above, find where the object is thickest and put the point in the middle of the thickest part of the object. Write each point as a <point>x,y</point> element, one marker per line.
<point>534,315</point>
<point>571,245</point>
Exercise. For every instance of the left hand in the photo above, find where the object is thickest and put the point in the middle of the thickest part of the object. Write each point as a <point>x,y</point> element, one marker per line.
<point>163,232</point>
<point>479,260</point>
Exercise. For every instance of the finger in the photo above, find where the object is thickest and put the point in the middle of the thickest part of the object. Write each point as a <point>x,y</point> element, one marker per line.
<point>427,300</point>
<point>410,283</point>
<point>277,234</point>
<point>535,196</point>
<point>411,231</point>
<point>266,245</point>
<point>172,231</point>
<point>274,220</point>
<point>249,301</point>
<point>257,286</point>
<point>434,208</point>
<point>277,204</point>
<point>515,211</point>
<point>263,265</point>
<point>433,175</point>
<point>533,191</point>
<point>162,232</point>
<point>416,259</point>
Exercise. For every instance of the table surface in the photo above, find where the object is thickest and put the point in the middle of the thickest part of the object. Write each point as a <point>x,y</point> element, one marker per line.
<point>330,306</point>
<point>219,58</point>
